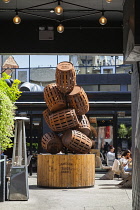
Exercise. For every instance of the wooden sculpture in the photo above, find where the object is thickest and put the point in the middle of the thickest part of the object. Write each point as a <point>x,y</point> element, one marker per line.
<point>54,99</point>
<point>76,141</point>
<point>67,105</point>
<point>51,143</point>
<point>65,77</point>
<point>84,125</point>
<point>78,100</point>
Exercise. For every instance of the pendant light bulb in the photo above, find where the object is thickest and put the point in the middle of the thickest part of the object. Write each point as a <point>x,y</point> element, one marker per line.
<point>108,1</point>
<point>16,20</point>
<point>6,1</point>
<point>58,10</point>
<point>60,28</point>
<point>103,20</point>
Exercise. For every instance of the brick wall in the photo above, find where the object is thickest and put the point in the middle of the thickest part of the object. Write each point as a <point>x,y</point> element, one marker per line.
<point>136,137</point>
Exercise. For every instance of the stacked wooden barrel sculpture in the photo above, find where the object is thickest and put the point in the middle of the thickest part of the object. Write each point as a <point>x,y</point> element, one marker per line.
<point>67,105</point>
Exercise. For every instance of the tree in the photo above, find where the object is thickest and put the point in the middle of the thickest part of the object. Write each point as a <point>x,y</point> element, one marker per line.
<point>122,131</point>
<point>8,95</point>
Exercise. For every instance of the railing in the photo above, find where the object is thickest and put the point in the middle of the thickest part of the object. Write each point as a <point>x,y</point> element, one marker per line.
<point>3,188</point>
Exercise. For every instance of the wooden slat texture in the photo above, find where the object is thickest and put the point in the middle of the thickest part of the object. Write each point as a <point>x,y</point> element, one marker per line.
<point>51,143</point>
<point>54,99</point>
<point>84,125</point>
<point>78,100</point>
<point>65,77</point>
<point>66,171</point>
<point>76,141</point>
<point>63,120</point>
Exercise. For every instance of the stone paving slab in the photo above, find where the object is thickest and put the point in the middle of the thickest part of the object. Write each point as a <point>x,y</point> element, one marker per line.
<point>105,195</point>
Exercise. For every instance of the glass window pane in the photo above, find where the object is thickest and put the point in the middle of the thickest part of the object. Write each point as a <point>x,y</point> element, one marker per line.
<point>62,58</point>
<point>119,60</point>
<point>42,76</point>
<point>129,87</point>
<point>96,60</point>
<point>13,75</point>
<point>96,70</point>
<point>103,125</point>
<point>81,70</point>
<point>89,70</point>
<point>107,69</point>
<point>125,141</point>
<point>78,60</point>
<point>109,87</point>
<point>101,60</point>
<point>110,60</point>
<point>104,60</point>
<point>21,60</point>
<point>90,87</point>
<point>22,75</point>
<point>43,61</point>
<point>123,69</point>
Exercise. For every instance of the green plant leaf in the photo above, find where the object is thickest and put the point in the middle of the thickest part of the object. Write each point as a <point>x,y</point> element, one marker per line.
<point>8,95</point>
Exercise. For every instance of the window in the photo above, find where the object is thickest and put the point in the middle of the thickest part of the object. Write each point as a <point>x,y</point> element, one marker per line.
<point>119,60</point>
<point>90,87</point>
<point>109,87</point>
<point>62,58</point>
<point>21,60</point>
<point>108,70</point>
<point>22,75</point>
<point>43,61</point>
<point>129,87</point>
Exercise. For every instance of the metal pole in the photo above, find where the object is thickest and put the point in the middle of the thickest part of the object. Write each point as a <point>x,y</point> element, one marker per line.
<point>2,177</point>
<point>115,129</point>
<point>31,141</point>
<point>20,138</point>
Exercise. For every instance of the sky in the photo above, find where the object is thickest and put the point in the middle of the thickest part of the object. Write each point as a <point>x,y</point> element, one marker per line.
<point>39,60</point>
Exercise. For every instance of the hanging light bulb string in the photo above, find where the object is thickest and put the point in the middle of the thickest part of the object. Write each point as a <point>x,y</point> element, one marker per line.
<point>16,19</point>
<point>103,19</point>
<point>60,28</point>
<point>16,11</point>
<point>32,9</point>
<point>58,2</point>
<point>58,10</point>
<point>6,1</point>
<point>108,1</point>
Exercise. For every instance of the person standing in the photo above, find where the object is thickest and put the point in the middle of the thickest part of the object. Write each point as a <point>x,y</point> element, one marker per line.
<point>110,156</point>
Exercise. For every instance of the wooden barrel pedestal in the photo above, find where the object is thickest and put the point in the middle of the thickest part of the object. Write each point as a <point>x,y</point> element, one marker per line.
<point>66,171</point>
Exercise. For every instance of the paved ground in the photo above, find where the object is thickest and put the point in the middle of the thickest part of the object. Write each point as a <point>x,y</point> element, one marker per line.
<point>105,195</point>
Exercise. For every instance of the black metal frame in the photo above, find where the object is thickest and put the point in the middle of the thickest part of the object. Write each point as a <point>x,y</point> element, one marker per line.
<point>35,8</point>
